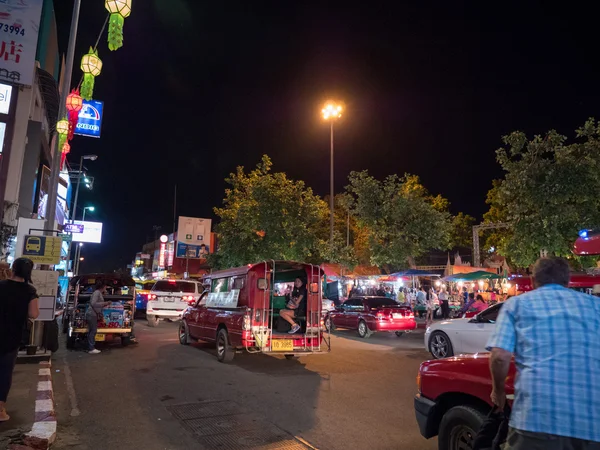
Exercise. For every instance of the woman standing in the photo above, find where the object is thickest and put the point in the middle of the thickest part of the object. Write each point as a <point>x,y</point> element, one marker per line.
<point>18,301</point>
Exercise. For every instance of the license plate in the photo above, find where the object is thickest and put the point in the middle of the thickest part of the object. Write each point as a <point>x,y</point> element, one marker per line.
<point>100,337</point>
<point>397,316</point>
<point>282,345</point>
<point>168,299</point>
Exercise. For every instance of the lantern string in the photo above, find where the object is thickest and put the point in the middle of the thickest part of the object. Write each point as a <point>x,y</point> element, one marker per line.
<point>96,45</point>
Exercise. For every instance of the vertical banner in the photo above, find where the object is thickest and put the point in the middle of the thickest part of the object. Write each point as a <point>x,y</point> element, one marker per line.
<point>19,28</point>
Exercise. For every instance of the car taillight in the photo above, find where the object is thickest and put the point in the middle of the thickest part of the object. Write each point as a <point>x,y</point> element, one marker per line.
<point>410,315</point>
<point>151,297</point>
<point>247,325</point>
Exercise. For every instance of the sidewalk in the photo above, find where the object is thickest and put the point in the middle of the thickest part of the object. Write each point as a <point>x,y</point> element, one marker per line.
<point>31,409</point>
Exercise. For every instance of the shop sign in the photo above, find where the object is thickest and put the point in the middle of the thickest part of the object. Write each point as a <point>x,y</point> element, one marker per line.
<point>19,26</point>
<point>42,249</point>
<point>5,94</point>
<point>90,119</point>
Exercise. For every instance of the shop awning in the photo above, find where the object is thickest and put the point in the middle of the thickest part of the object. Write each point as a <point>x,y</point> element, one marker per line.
<point>472,276</point>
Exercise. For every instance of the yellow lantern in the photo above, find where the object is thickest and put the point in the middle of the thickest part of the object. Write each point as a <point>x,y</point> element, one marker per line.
<point>62,126</point>
<point>119,10</point>
<point>91,66</point>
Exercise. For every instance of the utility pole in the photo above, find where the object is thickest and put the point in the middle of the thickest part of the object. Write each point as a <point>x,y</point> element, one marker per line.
<point>62,111</point>
<point>476,229</point>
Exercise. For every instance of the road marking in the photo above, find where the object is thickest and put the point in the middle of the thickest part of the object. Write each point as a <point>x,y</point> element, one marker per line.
<point>298,438</point>
<point>70,388</point>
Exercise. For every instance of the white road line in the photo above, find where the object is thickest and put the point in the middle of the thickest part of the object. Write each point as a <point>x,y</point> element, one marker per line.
<point>298,438</point>
<point>70,388</point>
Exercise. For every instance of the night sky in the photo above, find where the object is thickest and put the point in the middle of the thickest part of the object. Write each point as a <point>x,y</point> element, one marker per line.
<point>201,87</point>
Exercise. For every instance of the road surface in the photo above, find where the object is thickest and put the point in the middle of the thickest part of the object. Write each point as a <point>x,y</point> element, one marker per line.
<point>161,395</point>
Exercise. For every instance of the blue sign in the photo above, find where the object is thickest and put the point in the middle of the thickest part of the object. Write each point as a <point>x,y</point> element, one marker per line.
<point>191,251</point>
<point>90,119</point>
<point>73,228</point>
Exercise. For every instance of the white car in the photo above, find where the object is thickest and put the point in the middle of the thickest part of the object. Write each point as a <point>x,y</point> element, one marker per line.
<point>169,298</point>
<point>456,336</point>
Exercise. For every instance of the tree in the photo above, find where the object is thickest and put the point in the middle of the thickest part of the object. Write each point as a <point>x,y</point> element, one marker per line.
<point>550,191</point>
<point>266,215</point>
<point>461,234</point>
<point>403,221</point>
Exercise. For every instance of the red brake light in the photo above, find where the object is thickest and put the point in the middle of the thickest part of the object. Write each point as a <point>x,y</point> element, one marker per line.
<point>380,315</point>
<point>151,297</point>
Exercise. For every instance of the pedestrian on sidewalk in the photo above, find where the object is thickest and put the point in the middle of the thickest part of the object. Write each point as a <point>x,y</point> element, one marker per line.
<point>551,333</point>
<point>93,313</point>
<point>443,297</point>
<point>18,301</point>
<point>429,308</point>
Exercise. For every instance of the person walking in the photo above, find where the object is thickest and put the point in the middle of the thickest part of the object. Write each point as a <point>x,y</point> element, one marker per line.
<point>429,308</point>
<point>444,304</point>
<point>18,301</point>
<point>551,333</point>
<point>93,312</point>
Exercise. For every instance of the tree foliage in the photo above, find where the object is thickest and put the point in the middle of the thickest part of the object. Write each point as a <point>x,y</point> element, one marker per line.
<point>401,219</point>
<point>266,215</point>
<point>461,234</point>
<point>550,191</point>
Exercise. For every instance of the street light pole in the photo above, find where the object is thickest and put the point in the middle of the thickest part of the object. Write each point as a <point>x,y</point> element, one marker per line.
<point>331,194</point>
<point>62,110</point>
<point>331,112</point>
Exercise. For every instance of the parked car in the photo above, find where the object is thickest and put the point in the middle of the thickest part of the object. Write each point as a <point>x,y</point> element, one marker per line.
<point>467,335</point>
<point>327,305</point>
<point>453,399</point>
<point>142,292</point>
<point>372,314</point>
<point>169,298</point>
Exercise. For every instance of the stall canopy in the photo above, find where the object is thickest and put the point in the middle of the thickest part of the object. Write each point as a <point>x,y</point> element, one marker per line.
<point>472,276</point>
<point>337,271</point>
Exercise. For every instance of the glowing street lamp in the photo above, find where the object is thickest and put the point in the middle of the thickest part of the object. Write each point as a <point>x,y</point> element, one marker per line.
<point>331,112</point>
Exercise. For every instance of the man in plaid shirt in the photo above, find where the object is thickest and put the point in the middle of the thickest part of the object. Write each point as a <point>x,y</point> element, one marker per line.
<point>553,333</point>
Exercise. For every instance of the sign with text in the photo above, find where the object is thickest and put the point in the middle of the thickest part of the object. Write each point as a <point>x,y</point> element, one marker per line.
<point>223,299</point>
<point>90,119</point>
<point>73,228</point>
<point>42,249</point>
<point>5,94</point>
<point>191,251</point>
<point>92,232</point>
<point>19,27</point>
<point>194,231</point>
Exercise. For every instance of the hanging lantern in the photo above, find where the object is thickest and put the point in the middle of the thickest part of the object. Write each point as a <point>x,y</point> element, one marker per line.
<point>91,66</point>
<point>119,10</point>
<point>66,148</point>
<point>62,128</point>
<point>74,105</point>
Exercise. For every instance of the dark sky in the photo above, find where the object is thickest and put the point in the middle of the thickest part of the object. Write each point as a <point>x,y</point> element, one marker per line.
<point>201,87</point>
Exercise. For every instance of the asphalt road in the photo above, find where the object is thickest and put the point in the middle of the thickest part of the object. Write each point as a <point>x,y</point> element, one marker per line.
<point>358,396</point>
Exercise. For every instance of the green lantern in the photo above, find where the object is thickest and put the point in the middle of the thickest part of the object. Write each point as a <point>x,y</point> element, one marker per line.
<point>62,128</point>
<point>91,66</point>
<point>119,10</point>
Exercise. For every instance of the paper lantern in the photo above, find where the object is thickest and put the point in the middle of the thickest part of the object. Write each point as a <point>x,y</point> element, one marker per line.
<point>119,10</point>
<point>62,128</point>
<point>91,67</point>
<point>66,148</point>
<point>74,105</point>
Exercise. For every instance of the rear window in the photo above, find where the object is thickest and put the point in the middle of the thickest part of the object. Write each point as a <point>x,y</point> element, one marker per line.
<point>174,286</point>
<point>379,302</point>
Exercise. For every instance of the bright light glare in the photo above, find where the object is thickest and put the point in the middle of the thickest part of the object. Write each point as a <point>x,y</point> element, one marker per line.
<point>332,111</point>
<point>91,208</point>
<point>583,234</point>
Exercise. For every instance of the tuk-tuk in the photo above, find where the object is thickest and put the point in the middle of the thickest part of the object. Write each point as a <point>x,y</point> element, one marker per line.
<point>117,318</point>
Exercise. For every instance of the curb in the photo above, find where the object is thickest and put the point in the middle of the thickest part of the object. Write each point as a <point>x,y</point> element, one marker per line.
<point>43,432</point>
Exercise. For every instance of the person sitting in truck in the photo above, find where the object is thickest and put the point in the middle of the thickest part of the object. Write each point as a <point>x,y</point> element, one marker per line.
<point>296,306</point>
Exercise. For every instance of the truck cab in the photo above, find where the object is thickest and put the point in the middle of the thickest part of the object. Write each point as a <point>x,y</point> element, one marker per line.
<point>453,398</point>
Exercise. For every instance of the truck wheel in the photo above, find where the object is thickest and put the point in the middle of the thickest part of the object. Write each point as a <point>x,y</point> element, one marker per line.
<point>329,326</point>
<point>125,340</point>
<point>458,428</point>
<point>440,345</point>
<point>152,320</point>
<point>225,351</point>
<point>184,334</point>
<point>363,330</point>
<point>399,333</point>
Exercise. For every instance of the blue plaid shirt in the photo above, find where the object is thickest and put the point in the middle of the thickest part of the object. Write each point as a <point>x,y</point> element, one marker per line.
<point>553,333</point>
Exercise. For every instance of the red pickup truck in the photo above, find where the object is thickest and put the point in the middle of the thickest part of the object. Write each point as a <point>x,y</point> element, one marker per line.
<point>453,398</point>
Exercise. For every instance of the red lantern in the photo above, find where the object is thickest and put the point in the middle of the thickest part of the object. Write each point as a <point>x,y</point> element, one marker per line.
<point>74,105</point>
<point>63,156</point>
